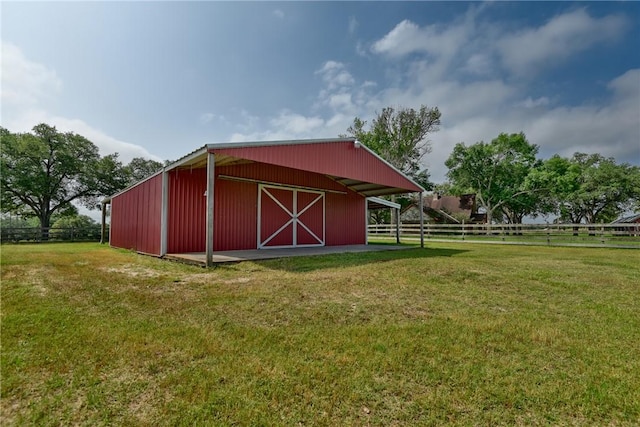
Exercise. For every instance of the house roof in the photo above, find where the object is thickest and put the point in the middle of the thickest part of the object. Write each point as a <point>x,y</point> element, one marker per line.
<point>627,220</point>
<point>344,160</point>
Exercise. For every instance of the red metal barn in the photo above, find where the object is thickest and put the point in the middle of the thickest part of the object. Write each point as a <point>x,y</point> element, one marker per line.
<point>255,195</point>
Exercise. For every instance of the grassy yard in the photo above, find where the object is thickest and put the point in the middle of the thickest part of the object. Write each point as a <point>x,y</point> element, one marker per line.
<point>451,334</point>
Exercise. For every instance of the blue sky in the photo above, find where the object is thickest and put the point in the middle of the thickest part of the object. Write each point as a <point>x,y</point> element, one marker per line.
<point>160,79</point>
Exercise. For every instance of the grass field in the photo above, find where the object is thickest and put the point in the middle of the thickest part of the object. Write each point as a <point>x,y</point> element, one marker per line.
<point>451,334</point>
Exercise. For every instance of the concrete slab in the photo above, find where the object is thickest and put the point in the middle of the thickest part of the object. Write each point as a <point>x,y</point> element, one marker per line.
<point>199,258</point>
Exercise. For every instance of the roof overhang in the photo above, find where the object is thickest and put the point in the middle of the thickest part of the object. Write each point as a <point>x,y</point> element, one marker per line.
<point>234,153</point>
<point>228,154</point>
<point>378,203</point>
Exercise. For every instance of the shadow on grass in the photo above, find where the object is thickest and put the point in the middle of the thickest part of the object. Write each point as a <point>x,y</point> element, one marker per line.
<point>350,259</point>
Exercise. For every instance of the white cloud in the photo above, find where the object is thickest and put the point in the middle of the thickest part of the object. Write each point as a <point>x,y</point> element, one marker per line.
<point>407,37</point>
<point>25,82</point>
<point>334,74</point>
<point>207,117</point>
<point>353,24</point>
<point>458,69</point>
<point>286,125</point>
<point>543,101</point>
<point>479,64</point>
<point>562,37</point>
<point>27,86</point>
<point>106,143</point>
<point>296,124</point>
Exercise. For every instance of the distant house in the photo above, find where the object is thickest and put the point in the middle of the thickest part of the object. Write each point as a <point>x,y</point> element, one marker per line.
<point>445,210</point>
<point>625,228</point>
<point>633,219</point>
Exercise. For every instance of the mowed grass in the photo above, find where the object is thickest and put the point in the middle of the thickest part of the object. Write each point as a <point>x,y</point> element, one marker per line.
<point>450,334</point>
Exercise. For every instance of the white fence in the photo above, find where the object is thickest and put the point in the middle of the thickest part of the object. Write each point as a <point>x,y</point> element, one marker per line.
<point>614,235</point>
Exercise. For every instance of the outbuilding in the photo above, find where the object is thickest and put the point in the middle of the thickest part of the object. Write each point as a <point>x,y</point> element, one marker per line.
<point>255,195</point>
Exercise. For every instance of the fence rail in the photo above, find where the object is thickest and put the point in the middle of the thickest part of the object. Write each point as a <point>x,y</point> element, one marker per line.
<point>615,235</point>
<point>50,234</point>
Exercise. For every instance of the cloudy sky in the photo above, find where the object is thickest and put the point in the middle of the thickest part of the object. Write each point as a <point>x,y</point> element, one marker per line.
<point>160,79</point>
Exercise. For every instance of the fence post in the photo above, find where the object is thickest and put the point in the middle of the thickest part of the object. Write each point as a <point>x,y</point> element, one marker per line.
<point>602,232</point>
<point>463,229</point>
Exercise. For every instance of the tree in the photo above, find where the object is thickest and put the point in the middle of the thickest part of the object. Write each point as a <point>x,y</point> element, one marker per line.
<point>590,187</point>
<point>400,137</point>
<point>139,168</point>
<point>497,172</point>
<point>46,172</point>
<point>75,227</point>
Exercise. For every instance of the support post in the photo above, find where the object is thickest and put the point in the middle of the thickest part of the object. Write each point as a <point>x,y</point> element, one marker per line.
<point>164,213</point>
<point>397,226</point>
<point>366,221</point>
<point>211,165</point>
<point>421,221</point>
<point>103,227</point>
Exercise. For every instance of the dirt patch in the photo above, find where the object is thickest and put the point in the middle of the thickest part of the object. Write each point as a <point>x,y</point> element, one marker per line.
<point>133,271</point>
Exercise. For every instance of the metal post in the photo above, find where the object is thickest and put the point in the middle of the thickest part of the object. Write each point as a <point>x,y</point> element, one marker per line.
<point>366,221</point>
<point>397,226</point>
<point>421,222</point>
<point>210,188</point>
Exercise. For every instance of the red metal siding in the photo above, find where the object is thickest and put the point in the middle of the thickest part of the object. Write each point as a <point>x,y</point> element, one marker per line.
<point>340,159</point>
<point>186,231</point>
<point>345,219</point>
<point>236,206</point>
<point>136,217</point>
<point>235,219</point>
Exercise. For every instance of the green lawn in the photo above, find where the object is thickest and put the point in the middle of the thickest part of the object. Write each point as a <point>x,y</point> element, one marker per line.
<point>451,334</point>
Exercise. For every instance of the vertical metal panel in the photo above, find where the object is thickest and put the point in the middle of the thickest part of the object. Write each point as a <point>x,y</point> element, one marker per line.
<point>136,217</point>
<point>165,213</point>
<point>345,222</point>
<point>235,218</point>
<point>186,231</point>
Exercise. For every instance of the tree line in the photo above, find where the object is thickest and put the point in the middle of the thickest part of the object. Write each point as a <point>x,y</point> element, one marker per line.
<point>509,180</point>
<point>45,174</point>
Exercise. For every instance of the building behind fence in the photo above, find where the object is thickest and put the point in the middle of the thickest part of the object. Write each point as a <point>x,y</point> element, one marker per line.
<point>615,235</point>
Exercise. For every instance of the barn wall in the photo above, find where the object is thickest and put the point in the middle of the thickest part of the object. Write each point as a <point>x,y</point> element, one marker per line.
<point>236,207</point>
<point>136,217</point>
<point>235,219</point>
<point>186,221</point>
<point>345,219</point>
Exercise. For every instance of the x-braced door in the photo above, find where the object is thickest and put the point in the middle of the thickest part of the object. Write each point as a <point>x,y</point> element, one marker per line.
<point>290,217</point>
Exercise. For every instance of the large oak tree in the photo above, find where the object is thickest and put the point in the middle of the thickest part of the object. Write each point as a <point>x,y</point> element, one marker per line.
<point>497,172</point>
<point>590,187</point>
<point>47,171</point>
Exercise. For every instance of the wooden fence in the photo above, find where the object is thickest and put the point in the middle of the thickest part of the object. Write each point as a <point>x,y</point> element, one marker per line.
<point>613,235</point>
<point>51,234</point>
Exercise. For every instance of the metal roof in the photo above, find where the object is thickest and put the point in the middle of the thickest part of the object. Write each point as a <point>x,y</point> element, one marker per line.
<point>378,203</point>
<point>315,155</point>
<point>354,170</point>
